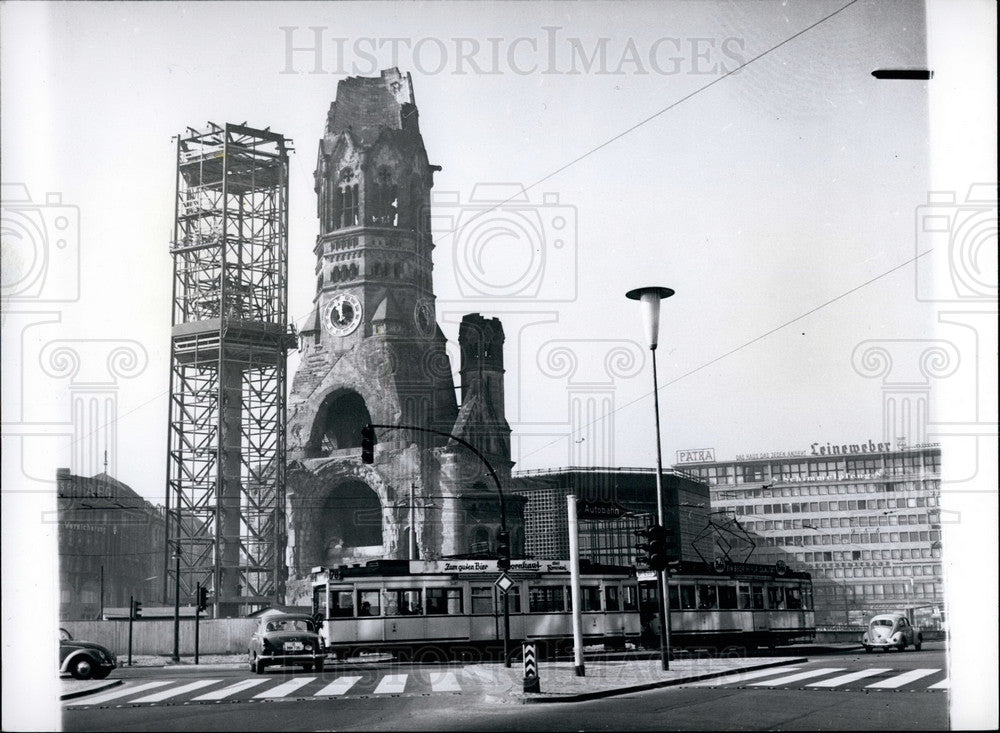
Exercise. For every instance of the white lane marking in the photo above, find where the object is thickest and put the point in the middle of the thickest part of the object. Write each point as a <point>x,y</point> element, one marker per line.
<point>944,684</point>
<point>231,690</point>
<point>902,679</point>
<point>285,688</point>
<point>850,677</point>
<point>796,677</point>
<point>118,692</point>
<point>175,691</point>
<point>742,676</point>
<point>444,682</point>
<point>391,683</point>
<point>339,686</point>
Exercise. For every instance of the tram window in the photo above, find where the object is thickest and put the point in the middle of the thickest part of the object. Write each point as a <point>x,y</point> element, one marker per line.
<point>757,596</point>
<point>775,597</point>
<point>631,598</point>
<point>675,601</point>
<point>591,598</point>
<point>341,604</point>
<point>744,595</point>
<point>514,599</point>
<point>368,603</point>
<point>402,602</point>
<point>687,596</point>
<point>611,599</point>
<point>544,599</point>
<point>482,599</point>
<point>727,596</point>
<point>706,597</point>
<point>444,601</point>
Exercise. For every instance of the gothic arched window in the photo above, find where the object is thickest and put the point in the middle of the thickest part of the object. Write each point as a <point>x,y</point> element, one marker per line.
<point>385,206</point>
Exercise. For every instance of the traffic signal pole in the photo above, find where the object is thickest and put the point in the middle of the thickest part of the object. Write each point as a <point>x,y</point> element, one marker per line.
<point>368,440</point>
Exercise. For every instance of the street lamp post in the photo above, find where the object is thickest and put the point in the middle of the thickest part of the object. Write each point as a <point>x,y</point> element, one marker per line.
<point>650,298</point>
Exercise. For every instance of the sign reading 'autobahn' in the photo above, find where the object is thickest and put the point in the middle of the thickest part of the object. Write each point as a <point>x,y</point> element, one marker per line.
<point>587,509</point>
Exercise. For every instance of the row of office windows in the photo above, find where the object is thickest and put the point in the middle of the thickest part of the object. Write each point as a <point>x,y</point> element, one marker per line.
<point>908,571</point>
<point>847,505</point>
<point>870,590</point>
<point>863,538</point>
<point>891,520</point>
<point>916,553</point>
<point>932,486</point>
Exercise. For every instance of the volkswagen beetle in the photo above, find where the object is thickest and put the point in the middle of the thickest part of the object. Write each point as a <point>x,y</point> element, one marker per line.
<point>84,659</point>
<point>890,630</point>
<point>286,639</point>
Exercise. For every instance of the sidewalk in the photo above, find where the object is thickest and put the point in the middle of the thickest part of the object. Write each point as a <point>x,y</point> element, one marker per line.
<point>558,681</point>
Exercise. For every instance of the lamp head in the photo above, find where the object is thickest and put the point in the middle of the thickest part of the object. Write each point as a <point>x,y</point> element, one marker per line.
<point>650,298</point>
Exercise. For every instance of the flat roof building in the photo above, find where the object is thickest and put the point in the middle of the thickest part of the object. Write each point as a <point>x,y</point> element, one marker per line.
<point>610,541</point>
<point>863,518</point>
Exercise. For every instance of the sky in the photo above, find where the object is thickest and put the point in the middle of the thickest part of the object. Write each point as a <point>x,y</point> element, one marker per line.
<point>740,153</point>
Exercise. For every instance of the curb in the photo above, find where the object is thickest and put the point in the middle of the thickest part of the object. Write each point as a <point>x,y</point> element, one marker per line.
<point>597,694</point>
<point>91,690</point>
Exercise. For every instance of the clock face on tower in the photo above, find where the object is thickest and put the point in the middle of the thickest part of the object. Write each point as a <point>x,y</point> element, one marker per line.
<point>342,314</point>
<point>423,316</point>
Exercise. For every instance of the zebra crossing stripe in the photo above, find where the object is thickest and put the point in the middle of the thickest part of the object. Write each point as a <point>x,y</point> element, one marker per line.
<point>902,679</point>
<point>339,686</point>
<point>175,691</point>
<point>122,691</point>
<point>444,682</point>
<point>796,677</point>
<point>944,684</point>
<point>850,677</point>
<point>741,676</point>
<point>285,688</point>
<point>391,683</point>
<point>231,690</point>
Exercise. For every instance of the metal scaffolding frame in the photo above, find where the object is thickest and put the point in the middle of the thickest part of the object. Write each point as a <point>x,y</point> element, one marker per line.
<point>225,493</point>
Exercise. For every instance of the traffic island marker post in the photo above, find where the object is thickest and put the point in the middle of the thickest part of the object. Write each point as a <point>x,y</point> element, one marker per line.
<point>531,682</point>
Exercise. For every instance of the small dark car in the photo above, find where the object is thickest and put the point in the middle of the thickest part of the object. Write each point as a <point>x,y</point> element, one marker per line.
<point>84,659</point>
<point>286,639</point>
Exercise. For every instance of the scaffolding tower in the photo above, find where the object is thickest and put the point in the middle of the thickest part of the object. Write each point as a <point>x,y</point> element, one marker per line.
<point>225,495</point>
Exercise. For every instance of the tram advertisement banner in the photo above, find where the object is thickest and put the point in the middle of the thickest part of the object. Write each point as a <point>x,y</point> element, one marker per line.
<point>488,566</point>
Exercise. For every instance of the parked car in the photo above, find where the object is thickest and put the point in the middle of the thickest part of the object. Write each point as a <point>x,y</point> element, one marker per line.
<point>286,639</point>
<point>890,630</point>
<point>84,659</point>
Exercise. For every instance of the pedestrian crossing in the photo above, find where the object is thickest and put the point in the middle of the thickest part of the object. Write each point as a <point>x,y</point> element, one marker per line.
<point>221,689</point>
<point>798,676</point>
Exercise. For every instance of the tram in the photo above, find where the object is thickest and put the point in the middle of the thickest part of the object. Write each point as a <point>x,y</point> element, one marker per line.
<point>453,609</point>
<point>731,606</point>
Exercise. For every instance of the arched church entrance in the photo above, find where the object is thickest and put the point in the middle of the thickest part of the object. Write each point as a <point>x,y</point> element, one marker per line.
<point>350,523</point>
<point>338,423</point>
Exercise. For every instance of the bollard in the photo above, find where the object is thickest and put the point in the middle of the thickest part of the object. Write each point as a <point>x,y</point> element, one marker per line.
<point>531,683</point>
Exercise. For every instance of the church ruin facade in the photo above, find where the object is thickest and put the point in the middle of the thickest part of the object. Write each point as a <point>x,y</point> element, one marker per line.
<point>372,352</point>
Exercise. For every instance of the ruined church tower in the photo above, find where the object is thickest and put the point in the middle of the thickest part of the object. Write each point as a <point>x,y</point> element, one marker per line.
<point>372,352</point>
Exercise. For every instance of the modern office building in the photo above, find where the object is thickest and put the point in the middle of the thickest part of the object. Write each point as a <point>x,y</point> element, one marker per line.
<point>611,541</point>
<point>863,518</point>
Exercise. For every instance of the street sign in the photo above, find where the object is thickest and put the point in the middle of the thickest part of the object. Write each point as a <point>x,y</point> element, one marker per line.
<point>586,509</point>
<point>504,583</point>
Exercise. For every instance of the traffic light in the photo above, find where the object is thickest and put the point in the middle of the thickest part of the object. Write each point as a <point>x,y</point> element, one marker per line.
<point>202,598</point>
<point>503,550</point>
<point>368,444</point>
<point>136,609</point>
<point>658,549</point>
